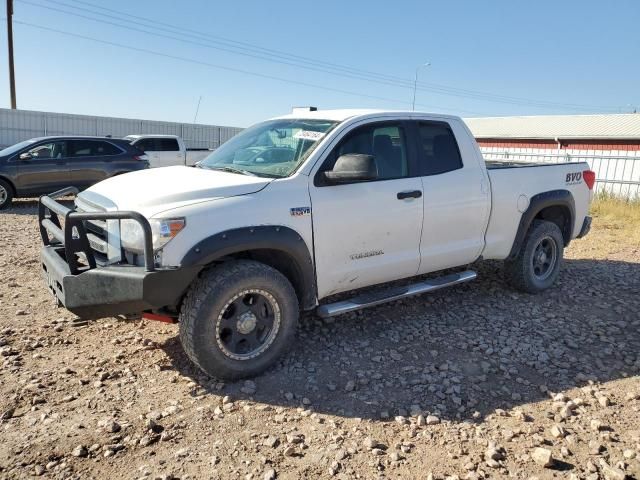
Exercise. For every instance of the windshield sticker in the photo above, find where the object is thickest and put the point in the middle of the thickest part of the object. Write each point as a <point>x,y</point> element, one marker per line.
<point>309,135</point>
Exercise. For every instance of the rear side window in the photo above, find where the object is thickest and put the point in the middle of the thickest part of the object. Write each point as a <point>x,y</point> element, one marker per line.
<point>91,148</point>
<point>158,145</point>
<point>439,152</point>
<point>146,145</point>
<point>168,145</point>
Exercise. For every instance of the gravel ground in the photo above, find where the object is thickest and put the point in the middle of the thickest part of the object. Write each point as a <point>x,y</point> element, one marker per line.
<point>474,382</point>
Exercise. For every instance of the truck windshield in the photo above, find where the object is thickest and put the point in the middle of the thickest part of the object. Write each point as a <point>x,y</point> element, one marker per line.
<point>270,149</point>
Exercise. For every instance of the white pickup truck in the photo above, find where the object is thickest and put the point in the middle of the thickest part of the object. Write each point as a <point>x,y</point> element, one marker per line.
<point>167,150</point>
<point>297,209</point>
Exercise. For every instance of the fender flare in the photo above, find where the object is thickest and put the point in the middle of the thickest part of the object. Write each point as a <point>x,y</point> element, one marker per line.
<point>552,198</point>
<point>271,237</point>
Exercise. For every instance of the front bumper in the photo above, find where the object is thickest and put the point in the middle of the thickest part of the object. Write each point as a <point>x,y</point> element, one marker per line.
<point>112,290</point>
<point>586,227</point>
<point>92,291</point>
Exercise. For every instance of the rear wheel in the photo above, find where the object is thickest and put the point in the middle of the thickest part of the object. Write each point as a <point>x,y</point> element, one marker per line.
<point>537,265</point>
<point>238,318</point>
<point>6,194</point>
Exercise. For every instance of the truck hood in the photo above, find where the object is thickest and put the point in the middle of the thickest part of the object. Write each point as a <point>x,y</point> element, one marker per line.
<point>158,189</point>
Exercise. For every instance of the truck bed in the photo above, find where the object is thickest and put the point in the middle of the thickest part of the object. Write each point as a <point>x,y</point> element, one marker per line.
<point>514,184</point>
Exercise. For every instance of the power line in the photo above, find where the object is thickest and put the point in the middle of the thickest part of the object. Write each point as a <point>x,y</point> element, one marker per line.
<point>212,65</point>
<point>250,50</point>
<point>435,88</point>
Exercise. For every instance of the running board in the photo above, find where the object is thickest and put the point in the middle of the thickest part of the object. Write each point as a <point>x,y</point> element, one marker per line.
<point>376,298</point>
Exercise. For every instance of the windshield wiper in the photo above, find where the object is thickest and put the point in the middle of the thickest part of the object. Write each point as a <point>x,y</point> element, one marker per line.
<point>234,170</point>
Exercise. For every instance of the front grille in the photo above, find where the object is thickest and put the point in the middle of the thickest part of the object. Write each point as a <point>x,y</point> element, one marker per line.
<point>97,232</point>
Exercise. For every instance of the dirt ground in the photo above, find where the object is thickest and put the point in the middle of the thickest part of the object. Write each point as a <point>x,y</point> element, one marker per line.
<point>478,381</point>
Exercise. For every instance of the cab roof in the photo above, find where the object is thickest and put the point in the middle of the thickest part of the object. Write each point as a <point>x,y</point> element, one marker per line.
<point>341,115</point>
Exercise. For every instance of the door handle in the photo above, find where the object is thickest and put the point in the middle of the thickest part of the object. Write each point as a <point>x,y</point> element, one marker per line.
<point>409,194</point>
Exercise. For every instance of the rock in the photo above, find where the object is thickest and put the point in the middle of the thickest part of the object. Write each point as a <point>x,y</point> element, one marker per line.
<point>558,431</point>
<point>147,440</point>
<point>596,425</point>
<point>294,438</point>
<point>269,474</point>
<point>396,457</point>
<point>183,452</point>
<point>109,425</point>
<point>39,470</point>
<point>420,421</point>
<point>611,473</point>
<point>270,441</point>
<point>629,454</point>
<point>494,453</point>
<point>432,420</point>
<point>80,451</point>
<point>595,448</point>
<point>290,451</point>
<point>369,443</point>
<point>401,420</point>
<point>334,468</point>
<point>7,414</point>
<point>542,457</point>
<point>350,386</point>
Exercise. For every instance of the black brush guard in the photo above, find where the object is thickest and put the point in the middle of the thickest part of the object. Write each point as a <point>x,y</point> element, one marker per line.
<point>94,291</point>
<point>48,219</point>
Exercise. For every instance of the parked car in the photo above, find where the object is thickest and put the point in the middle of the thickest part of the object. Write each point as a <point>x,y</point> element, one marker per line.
<point>234,250</point>
<point>43,165</point>
<point>167,150</point>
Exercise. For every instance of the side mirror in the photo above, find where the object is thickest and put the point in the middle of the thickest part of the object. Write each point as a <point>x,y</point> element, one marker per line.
<point>353,167</point>
<point>26,156</point>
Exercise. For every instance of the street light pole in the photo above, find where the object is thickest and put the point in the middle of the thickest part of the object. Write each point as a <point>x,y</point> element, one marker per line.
<point>415,84</point>
<point>12,77</point>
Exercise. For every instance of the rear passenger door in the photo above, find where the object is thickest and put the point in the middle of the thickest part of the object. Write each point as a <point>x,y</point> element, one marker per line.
<point>88,161</point>
<point>456,196</point>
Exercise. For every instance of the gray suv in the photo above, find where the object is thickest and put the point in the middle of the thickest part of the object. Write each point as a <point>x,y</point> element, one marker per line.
<point>42,165</point>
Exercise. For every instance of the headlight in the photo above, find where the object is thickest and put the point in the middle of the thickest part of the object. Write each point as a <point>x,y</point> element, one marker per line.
<point>162,230</point>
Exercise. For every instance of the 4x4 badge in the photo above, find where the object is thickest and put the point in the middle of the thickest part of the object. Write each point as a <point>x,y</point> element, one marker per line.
<point>300,211</point>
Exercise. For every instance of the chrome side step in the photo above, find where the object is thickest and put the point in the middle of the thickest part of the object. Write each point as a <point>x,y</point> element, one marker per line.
<point>376,298</point>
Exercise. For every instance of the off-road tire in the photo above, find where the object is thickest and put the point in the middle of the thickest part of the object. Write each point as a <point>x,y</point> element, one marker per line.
<point>8,197</point>
<point>205,302</point>
<point>519,271</point>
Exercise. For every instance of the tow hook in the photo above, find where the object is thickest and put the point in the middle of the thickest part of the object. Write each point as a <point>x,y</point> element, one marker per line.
<point>159,318</point>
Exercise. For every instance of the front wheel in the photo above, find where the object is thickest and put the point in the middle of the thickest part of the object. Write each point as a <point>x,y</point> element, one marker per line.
<point>537,265</point>
<point>6,194</point>
<point>238,318</point>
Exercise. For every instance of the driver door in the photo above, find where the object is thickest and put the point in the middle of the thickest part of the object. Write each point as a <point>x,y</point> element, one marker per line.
<point>368,232</point>
<point>45,170</point>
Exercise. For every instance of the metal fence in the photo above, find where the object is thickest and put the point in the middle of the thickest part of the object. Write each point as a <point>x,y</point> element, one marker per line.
<point>616,174</point>
<point>19,125</point>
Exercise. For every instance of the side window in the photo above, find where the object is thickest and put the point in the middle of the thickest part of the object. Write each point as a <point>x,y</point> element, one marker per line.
<point>438,149</point>
<point>147,145</point>
<point>168,145</point>
<point>48,150</point>
<point>105,148</point>
<point>386,142</point>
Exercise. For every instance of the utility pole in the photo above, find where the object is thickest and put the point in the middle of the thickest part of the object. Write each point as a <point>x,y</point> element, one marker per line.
<point>12,76</point>
<point>415,83</point>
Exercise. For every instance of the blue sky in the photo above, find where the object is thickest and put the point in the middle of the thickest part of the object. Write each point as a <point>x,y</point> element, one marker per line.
<point>487,57</point>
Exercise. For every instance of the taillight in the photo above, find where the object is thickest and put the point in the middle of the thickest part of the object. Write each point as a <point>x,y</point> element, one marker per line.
<point>140,157</point>
<point>589,178</point>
